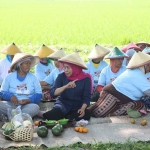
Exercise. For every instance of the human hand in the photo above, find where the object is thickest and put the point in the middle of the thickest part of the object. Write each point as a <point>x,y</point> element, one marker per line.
<point>24,101</point>
<point>14,100</point>
<point>71,84</point>
<point>81,111</point>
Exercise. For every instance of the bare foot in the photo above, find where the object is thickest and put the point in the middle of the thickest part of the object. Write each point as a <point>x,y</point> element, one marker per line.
<point>40,114</point>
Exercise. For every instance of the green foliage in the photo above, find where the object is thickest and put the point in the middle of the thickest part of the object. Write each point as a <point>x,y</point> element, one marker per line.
<point>73,22</point>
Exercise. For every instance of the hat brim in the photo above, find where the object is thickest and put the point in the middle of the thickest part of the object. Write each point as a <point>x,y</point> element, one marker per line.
<point>34,61</point>
<point>98,57</point>
<point>74,63</point>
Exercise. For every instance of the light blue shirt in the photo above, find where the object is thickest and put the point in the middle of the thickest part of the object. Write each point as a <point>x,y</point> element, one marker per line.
<point>50,79</point>
<point>107,76</point>
<point>148,76</point>
<point>42,71</point>
<point>95,72</point>
<point>21,89</point>
<point>132,83</point>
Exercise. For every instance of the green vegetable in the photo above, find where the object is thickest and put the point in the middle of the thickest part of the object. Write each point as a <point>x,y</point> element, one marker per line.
<point>8,132</point>
<point>133,113</point>
<point>7,126</point>
<point>57,129</point>
<point>63,121</point>
<point>50,122</point>
<point>42,131</point>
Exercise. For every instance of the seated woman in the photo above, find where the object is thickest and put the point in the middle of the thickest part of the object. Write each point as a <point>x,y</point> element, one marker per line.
<point>21,87</point>
<point>73,88</point>
<point>126,91</point>
<point>114,70</point>
<point>48,82</point>
<point>45,66</point>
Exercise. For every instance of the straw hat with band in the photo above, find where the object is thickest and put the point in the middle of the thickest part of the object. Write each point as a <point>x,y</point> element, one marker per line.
<point>139,59</point>
<point>143,42</point>
<point>98,52</point>
<point>19,56</point>
<point>129,46</point>
<point>44,51</point>
<point>74,58</point>
<point>116,53</point>
<point>146,50</point>
<point>57,55</point>
<point>11,50</point>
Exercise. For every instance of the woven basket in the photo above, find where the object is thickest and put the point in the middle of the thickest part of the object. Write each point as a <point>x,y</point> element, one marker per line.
<point>21,134</point>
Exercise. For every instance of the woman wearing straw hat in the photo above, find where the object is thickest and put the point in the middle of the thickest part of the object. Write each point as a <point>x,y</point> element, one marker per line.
<point>126,91</point>
<point>73,88</point>
<point>21,87</point>
<point>147,51</point>
<point>96,63</point>
<point>5,63</point>
<point>45,66</point>
<point>143,44</point>
<point>48,82</point>
<point>111,72</point>
<point>130,48</point>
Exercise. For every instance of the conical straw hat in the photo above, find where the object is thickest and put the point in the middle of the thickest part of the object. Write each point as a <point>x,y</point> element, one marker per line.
<point>44,51</point>
<point>116,53</point>
<point>129,46</point>
<point>143,42</point>
<point>98,52</point>
<point>146,50</point>
<point>138,59</point>
<point>58,54</point>
<point>11,50</point>
<point>74,58</point>
<point>20,56</point>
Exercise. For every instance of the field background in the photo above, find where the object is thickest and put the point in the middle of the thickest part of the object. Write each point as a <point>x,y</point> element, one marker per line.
<point>73,24</point>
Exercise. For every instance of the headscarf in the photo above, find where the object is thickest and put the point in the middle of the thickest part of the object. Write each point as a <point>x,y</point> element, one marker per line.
<point>77,73</point>
<point>22,60</point>
<point>9,58</point>
<point>45,61</point>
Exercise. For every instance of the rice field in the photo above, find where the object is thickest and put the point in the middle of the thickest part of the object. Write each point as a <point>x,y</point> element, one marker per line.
<point>73,23</point>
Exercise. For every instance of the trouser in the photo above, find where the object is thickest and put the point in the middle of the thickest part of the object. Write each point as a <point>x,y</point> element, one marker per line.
<point>31,109</point>
<point>56,114</point>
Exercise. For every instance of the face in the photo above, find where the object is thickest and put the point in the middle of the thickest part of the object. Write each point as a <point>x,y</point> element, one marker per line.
<point>67,70</point>
<point>25,66</point>
<point>147,68</point>
<point>118,62</point>
<point>142,46</point>
<point>97,60</point>
<point>57,63</point>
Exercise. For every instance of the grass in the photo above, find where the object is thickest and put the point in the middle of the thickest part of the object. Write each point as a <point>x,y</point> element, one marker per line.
<point>74,22</point>
<point>128,145</point>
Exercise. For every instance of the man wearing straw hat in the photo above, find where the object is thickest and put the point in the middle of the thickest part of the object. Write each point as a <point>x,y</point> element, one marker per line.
<point>73,88</point>
<point>111,72</point>
<point>126,91</point>
<point>5,63</point>
<point>48,82</point>
<point>45,66</point>
<point>21,87</point>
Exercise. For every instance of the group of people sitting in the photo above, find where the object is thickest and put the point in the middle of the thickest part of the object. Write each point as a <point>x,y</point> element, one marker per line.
<point>113,87</point>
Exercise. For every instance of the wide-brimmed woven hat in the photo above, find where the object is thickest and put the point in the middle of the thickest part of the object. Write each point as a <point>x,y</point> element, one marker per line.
<point>11,50</point>
<point>98,52</point>
<point>74,58</point>
<point>146,50</point>
<point>138,59</point>
<point>44,51</point>
<point>129,46</point>
<point>58,54</point>
<point>116,53</point>
<point>20,56</point>
<point>143,42</point>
